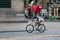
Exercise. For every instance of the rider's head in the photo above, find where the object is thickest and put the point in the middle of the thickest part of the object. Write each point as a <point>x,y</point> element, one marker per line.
<point>37,14</point>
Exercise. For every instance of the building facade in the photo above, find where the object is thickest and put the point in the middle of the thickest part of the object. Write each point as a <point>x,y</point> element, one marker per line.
<point>52,6</point>
<point>18,6</point>
<point>42,2</point>
<point>8,7</point>
<point>55,8</point>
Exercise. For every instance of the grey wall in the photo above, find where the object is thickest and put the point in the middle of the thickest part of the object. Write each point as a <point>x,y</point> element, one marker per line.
<point>16,6</point>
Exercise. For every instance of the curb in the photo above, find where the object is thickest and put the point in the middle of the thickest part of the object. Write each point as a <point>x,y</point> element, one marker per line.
<point>29,37</point>
<point>14,21</point>
<point>13,31</point>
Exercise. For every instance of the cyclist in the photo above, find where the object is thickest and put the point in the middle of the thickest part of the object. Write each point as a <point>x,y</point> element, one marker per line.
<point>38,19</point>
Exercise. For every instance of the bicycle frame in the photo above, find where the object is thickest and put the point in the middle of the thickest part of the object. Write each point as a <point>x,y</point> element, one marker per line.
<point>34,23</point>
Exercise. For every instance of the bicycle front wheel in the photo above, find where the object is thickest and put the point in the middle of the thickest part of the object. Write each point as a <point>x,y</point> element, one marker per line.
<point>29,28</point>
<point>42,28</point>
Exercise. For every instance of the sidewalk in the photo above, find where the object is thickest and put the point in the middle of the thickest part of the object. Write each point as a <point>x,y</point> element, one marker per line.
<point>54,20</point>
<point>20,20</point>
<point>13,20</point>
<point>48,20</point>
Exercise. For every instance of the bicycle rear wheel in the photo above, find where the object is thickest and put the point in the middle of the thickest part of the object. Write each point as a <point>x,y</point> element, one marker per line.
<point>42,28</point>
<point>29,28</point>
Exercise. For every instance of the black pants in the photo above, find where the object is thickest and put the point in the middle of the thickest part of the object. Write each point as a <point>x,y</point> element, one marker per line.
<point>29,14</point>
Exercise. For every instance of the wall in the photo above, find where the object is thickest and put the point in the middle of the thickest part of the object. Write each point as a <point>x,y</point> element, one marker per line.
<point>17,5</point>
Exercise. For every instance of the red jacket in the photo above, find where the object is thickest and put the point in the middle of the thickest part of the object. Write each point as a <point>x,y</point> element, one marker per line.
<point>31,8</point>
<point>36,8</point>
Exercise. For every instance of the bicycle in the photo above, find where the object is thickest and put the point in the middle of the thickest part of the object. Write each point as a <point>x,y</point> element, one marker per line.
<point>30,27</point>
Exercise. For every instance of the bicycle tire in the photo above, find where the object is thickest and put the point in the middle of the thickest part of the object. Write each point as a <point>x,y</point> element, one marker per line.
<point>40,29</point>
<point>29,31</point>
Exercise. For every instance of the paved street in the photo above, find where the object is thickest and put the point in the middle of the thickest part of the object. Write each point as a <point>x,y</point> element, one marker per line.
<point>16,31</point>
<point>13,22</point>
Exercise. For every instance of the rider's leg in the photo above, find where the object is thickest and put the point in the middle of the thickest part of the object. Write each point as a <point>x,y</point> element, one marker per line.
<point>36,26</point>
<point>36,23</point>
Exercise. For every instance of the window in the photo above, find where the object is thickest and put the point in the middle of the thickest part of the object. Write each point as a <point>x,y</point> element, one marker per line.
<point>59,11</point>
<point>52,1</point>
<point>25,3</point>
<point>5,3</point>
<point>58,1</point>
<point>36,1</point>
<point>30,1</point>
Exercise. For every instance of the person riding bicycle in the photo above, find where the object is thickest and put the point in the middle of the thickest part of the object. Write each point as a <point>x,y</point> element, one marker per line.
<point>38,19</point>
